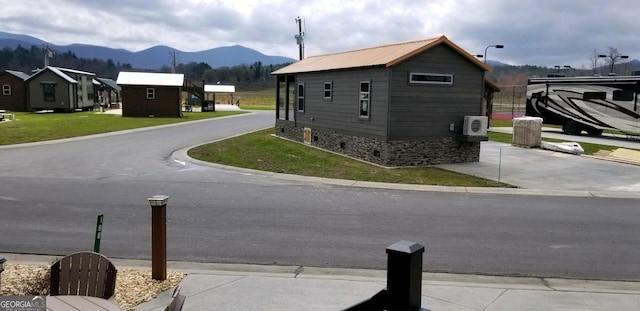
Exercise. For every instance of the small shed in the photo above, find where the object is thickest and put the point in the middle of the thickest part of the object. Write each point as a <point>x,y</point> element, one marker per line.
<point>403,104</point>
<point>147,94</point>
<point>14,90</point>
<point>61,89</point>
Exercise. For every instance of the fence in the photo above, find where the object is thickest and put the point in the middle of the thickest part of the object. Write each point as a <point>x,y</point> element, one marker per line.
<point>510,102</point>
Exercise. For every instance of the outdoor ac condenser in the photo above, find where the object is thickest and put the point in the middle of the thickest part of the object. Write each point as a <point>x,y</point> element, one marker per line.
<point>475,126</point>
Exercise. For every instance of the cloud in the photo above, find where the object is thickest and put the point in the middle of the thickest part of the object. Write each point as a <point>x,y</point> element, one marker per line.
<point>543,32</point>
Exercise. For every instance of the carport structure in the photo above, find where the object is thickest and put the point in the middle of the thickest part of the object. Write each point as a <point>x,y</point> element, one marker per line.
<point>210,91</point>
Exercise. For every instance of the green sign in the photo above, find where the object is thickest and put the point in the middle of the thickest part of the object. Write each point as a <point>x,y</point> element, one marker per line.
<point>96,243</point>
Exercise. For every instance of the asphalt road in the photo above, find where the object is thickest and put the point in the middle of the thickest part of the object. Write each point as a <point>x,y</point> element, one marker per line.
<point>51,194</point>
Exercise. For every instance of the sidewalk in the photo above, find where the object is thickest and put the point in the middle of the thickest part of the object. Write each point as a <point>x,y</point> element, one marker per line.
<point>229,287</point>
<point>334,289</point>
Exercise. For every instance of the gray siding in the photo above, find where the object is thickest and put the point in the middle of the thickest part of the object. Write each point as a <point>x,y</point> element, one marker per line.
<point>423,111</point>
<point>341,113</point>
<point>63,91</point>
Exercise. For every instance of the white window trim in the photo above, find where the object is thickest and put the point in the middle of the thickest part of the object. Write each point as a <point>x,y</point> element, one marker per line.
<point>366,98</point>
<point>300,97</point>
<point>413,74</point>
<point>325,90</point>
<point>6,89</point>
<point>151,93</point>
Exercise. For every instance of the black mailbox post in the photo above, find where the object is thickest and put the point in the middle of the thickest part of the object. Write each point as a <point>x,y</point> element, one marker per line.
<point>404,281</point>
<point>404,275</point>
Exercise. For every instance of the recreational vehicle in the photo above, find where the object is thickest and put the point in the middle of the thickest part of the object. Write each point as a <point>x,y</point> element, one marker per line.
<point>590,104</point>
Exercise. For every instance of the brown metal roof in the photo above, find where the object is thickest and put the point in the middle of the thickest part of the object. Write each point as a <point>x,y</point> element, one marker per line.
<point>386,55</point>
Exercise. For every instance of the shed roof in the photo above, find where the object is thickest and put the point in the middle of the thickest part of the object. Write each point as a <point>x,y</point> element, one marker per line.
<point>216,88</point>
<point>150,79</point>
<point>110,83</point>
<point>18,74</point>
<point>386,55</point>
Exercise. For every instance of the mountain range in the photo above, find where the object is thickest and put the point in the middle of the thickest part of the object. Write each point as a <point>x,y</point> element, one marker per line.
<point>151,58</point>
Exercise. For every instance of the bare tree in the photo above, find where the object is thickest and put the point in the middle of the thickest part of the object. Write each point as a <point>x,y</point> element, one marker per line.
<point>613,56</point>
<point>593,59</point>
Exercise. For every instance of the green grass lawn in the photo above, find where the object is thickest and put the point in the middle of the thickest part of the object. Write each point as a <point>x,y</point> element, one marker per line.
<point>264,99</point>
<point>33,127</point>
<point>262,151</point>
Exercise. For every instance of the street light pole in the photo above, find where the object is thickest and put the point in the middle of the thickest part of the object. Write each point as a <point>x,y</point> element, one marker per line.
<point>624,72</point>
<point>497,46</point>
<point>601,56</point>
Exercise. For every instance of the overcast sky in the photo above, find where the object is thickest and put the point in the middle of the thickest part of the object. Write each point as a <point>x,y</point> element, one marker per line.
<point>534,32</point>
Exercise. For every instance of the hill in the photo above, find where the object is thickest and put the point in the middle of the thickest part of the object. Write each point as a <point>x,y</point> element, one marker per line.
<point>154,57</point>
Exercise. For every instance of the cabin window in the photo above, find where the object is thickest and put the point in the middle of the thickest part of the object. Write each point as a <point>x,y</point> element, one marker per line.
<point>328,91</point>
<point>151,93</point>
<point>6,90</point>
<point>49,92</point>
<point>300,97</point>
<point>364,106</point>
<point>430,78</point>
<point>594,95</point>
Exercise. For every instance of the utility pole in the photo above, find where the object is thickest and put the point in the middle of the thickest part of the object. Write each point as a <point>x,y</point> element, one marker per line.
<point>173,63</point>
<point>47,55</point>
<point>300,37</point>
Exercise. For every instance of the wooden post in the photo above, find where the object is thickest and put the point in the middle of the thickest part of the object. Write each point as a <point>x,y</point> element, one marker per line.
<point>159,242</point>
<point>159,237</point>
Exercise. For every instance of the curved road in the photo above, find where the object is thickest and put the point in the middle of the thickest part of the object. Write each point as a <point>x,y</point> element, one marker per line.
<point>51,193</point>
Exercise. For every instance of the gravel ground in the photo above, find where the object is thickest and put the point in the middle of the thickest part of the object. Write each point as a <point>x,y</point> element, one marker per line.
<point>133,286</point>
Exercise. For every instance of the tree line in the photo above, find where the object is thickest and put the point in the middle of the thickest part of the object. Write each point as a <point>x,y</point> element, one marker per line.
<point>27,60</point>
<point>258,74</point>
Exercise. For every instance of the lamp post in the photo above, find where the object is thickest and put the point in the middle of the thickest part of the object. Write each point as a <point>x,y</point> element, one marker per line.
<point>497,46</point>
<point>601,56</point>
<point>624,73</point>
<point>158,236</point>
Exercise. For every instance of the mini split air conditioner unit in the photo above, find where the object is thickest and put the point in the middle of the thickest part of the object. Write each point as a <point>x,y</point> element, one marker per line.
<point>475,126</point>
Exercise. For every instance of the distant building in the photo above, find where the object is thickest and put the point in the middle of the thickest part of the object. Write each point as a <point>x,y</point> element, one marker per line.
<point>406,104</point>
<point>108,92</point>
<point>14,95</point>
<point>61,89</point>
<point>151,94</point>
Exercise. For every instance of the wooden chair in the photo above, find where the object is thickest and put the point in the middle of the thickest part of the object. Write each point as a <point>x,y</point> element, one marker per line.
<point>177,300</point>
<point>83,274</point>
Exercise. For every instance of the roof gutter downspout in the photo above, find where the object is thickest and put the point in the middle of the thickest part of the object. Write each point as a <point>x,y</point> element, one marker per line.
<point>389,76</point>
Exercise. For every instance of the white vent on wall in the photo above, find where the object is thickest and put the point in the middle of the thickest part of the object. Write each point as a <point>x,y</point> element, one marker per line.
<point>475,126</point>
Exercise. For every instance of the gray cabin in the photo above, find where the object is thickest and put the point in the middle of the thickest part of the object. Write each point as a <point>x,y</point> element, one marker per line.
<point>406,104</point>
<point>61,89</point>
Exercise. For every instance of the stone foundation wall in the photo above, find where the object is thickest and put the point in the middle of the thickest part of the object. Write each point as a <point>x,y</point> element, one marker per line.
<point>393,153</point>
